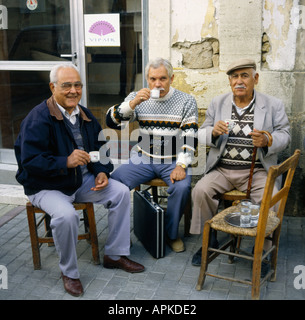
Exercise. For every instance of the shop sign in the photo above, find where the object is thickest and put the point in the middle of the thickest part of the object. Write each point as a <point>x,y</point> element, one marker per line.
<point>102,30</point>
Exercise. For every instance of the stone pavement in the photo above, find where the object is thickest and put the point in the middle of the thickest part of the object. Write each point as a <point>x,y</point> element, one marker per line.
<point>170,278</point>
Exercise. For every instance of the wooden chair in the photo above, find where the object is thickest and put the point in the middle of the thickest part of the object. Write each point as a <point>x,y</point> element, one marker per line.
<point>36,240</point>
<point>232,198</point>
<point>233,195</point>
<point>269,227</point>
<point>157,182</point>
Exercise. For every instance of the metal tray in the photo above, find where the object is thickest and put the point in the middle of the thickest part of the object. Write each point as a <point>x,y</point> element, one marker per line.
<point>233,219</point>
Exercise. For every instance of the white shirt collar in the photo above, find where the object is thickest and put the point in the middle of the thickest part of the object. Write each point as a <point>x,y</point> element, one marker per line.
<point>240,111</point>
<point>72,116</point>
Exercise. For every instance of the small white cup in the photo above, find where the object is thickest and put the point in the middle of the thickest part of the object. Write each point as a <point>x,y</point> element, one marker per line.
<point>230,123</point>
<point>94,156</point>
<point>155,93</point>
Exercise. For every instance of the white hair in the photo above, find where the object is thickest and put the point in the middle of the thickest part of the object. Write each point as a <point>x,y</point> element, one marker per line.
<point>54,71</point>
<point>156,63</point>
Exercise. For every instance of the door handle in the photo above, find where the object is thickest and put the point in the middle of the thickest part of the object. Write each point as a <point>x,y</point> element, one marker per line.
<point>71,55</point>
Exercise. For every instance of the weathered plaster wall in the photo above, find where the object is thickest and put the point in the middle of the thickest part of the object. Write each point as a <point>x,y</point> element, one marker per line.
<point>279,23</point>
<point>202,37</point>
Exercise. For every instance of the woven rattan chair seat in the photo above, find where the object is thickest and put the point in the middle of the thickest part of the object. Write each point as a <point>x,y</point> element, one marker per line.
<point>218,223</point>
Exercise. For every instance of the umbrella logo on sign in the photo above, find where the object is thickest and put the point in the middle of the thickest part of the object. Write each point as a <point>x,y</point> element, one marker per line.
<point>102,28</point>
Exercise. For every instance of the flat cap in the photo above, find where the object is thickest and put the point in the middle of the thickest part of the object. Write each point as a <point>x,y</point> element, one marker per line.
<point>240,64</point>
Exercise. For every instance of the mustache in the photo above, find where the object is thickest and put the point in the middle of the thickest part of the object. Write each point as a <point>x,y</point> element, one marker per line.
<point>240,86</point>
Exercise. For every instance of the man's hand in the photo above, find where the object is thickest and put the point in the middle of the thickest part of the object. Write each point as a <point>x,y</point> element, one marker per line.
<point>101,181</point>
<point>78,158</point>
<point>142,95</point>
<point>177,174</point>
<point>259,139</point>
<point>220,128</point>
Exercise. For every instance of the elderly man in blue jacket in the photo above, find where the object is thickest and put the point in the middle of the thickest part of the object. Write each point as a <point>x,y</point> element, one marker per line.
<point>54,167</point>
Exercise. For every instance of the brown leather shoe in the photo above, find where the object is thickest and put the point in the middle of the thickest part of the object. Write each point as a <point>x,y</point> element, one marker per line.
<point>123,263</point>
<point>72,286</point>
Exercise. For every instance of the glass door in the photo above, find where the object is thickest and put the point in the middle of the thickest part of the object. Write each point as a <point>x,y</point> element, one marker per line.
<point>113,65</point>
<point>35,36</point>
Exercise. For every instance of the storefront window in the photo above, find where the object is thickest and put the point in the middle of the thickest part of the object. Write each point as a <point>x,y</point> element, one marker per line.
<point>113,72</point>
<point>34,34</point>
<point>32,31</point>
<point>20,91</point>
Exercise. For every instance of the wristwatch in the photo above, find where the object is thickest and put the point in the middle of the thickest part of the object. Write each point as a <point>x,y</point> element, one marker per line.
<point>180,164</point>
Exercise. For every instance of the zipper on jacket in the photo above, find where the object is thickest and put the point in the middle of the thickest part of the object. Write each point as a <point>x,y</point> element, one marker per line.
<point>75,176</point>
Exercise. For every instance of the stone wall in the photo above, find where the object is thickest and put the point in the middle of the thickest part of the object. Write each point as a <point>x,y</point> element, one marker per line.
<point>201,37</point>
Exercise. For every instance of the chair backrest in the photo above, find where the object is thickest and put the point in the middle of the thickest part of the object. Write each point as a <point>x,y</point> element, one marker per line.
<point>278,199</point>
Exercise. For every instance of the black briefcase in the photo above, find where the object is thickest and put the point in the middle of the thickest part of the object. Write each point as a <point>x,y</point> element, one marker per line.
<point>148,223</point>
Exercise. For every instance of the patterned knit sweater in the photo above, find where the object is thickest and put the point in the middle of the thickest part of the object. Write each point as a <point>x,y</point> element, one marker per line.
<point>168,125</point>
<point>239,149</point>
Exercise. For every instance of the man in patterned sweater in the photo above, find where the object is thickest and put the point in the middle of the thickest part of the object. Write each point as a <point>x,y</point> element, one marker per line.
<point>168,139</point>
<point>230,155</point>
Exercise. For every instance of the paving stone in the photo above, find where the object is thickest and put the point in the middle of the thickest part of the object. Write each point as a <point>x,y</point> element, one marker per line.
<point>171,278</point>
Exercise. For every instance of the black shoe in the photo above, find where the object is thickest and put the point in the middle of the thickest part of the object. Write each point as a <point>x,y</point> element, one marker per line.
<point>196,260</point>
<point>265,268</point>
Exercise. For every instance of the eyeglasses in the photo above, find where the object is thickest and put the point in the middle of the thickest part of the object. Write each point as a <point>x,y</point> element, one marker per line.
<point>67,86</point>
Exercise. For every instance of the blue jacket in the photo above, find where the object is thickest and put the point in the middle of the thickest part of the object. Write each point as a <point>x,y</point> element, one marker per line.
<point>45,142</point>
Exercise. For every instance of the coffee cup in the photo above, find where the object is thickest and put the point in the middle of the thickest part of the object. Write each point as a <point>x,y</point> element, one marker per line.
<point>230,123</point>
<point>155,93</point>
<point>94,156</point>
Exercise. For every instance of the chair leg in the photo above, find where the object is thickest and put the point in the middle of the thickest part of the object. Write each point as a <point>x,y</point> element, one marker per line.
<point>274,254</point>
<point>233,247</point>
<point>154,191</point>
<point>204,256</point>
<point>34,237</point>
<point>93,234</point>
<point>47,221</point>
<point>256,272</point>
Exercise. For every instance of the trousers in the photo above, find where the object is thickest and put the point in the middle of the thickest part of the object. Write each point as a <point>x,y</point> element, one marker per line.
<point>219,181</point>
<point>141,169</point>
<point>65,220</point>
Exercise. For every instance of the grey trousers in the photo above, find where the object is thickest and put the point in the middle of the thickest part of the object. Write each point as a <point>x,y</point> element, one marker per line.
<point>220,181</point>
<point>65,220</point>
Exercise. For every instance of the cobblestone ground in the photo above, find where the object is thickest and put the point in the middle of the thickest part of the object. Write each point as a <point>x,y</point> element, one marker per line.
<point>170,278</point>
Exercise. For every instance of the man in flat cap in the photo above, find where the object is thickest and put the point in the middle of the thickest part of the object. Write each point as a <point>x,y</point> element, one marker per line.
<point>231,130</point>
